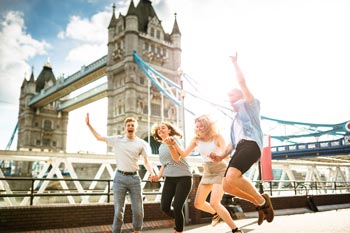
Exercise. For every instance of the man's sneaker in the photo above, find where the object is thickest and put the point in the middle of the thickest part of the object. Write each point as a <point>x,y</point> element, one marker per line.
<point>215,220</point>
<point>268,208</point>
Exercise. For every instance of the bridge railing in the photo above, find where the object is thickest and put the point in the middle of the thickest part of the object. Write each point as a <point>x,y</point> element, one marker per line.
<point>300,187</point>
<point>81,173</point>
<point>338,146</point>
<point>70,79</point>
<point>65,196</point>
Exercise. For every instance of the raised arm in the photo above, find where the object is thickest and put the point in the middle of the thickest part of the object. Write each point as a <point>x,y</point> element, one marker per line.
<point>93,131</point>
<point>241,80</point>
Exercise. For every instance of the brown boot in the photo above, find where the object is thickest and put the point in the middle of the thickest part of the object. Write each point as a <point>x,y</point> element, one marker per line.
<point>261,214</point>
<point>268,208</point>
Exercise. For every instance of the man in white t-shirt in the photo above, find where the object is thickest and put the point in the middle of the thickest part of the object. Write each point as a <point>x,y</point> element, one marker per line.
<point>128,148</point>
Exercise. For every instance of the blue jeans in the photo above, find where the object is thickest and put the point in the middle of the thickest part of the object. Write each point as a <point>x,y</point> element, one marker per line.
<point>122,185</point>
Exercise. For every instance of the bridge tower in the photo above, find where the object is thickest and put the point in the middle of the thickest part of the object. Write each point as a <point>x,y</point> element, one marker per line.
<point>140,30</point>
<point>40,128</point>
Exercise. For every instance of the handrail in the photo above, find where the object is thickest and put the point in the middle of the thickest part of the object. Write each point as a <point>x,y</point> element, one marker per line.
<point>33,193</point>
<point>296,187</point>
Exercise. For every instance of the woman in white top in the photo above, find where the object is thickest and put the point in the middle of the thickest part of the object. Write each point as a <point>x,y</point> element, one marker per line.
<point>207,140</point>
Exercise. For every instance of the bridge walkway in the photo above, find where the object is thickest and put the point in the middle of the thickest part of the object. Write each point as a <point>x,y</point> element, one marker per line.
<point>333,218</point>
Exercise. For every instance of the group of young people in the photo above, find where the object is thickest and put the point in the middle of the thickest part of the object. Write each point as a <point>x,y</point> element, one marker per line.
<point>219,174</point>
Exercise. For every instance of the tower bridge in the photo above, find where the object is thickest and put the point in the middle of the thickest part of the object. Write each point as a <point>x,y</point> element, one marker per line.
<point>64,86</point>
<point>143,81</point>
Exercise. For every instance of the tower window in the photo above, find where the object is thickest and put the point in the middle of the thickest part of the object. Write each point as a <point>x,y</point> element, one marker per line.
<point>46,142</point>
<point>155,109</point>
<point>142,80</point>
<point>47,124</point>
<point>158,34</point>
<point>152,32</point>
<point>120,28</point>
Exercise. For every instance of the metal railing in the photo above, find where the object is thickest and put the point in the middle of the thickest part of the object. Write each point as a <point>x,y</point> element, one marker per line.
<point>274,188</point>
<point>81,178</point>
<point>32,192</point>
<point>301,187</point>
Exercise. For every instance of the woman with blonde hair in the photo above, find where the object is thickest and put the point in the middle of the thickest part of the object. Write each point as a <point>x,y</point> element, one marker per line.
<point>207,139</point>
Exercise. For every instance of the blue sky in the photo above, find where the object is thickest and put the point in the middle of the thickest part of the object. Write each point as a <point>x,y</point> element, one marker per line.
<point>294,53</point>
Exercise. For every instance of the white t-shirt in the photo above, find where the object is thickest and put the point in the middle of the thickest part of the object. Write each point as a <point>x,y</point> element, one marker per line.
<point>128,151</point>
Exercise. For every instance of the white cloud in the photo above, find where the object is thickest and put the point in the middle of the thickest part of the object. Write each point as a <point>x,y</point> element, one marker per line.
<point>92,30</point>
<point>91,34</point>
<point>87,53</point>
<point>16,48</point>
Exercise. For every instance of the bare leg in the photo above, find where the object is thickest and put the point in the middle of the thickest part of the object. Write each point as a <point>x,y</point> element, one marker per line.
<point>236,184</point>
<point>201,196</point>
<point>215,201</point>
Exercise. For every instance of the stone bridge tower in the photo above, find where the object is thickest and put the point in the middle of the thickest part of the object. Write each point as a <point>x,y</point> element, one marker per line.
<point>140,30</point>
<point>43,128</point>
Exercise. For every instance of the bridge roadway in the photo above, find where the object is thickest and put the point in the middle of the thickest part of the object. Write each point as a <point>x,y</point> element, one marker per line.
<point>333,218</point>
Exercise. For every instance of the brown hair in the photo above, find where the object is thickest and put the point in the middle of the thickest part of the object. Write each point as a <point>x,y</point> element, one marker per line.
<point>174,131</point>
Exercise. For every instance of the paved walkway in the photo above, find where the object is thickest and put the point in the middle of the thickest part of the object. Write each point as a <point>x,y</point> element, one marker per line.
<point>319,222</point>
<point>329,219</point>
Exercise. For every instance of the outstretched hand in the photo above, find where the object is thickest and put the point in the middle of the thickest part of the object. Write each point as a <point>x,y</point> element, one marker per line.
<point>87,119</point>
<point>234,58</point>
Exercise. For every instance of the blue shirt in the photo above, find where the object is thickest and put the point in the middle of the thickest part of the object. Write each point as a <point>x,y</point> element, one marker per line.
<point>249,116</point>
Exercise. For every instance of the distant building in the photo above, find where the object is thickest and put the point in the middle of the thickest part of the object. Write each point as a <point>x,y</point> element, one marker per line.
<point>140,30</point>
<point>44,128</point>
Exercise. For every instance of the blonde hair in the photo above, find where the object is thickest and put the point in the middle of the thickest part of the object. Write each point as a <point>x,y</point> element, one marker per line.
<point>210,129</point>
<point>130,119</point>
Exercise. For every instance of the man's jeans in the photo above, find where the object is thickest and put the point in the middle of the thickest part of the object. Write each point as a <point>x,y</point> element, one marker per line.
<point>122,185</point>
